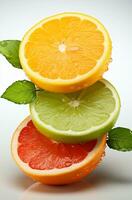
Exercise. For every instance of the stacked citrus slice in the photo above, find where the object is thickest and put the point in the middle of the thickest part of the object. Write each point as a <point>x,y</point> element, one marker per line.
<point>66,52</point>
<point>64,138</point>
<point>50,162</point>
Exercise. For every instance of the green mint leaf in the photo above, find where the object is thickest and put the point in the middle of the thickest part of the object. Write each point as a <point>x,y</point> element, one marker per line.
<point>10,49</point>
<point>120,139</point>
<point>20,92</point>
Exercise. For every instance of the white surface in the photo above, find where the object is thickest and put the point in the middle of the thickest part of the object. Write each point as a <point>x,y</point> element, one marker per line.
<point>113,178</point>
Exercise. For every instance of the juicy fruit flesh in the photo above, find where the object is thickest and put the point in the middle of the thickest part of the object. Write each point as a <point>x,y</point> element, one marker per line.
<point>41,153</point>
<point>77,111</point>
<point>64,48</point>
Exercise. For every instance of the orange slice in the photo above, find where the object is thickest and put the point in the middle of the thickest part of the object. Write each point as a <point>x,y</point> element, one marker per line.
<point>66,52</point>
<point>51,162</point>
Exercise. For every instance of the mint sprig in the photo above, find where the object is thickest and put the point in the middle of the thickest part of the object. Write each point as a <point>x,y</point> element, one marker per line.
<point>20,92</point>
<point>120,139</point>
<point>10,50</point>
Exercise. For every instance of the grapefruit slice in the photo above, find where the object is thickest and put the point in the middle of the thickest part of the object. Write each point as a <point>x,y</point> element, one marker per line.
<point>79,116</point>
<point>66,52</point>
<point>50,162</point>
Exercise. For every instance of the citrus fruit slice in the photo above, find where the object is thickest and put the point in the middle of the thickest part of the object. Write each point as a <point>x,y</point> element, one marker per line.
<point>50,162</point>
<point>79,116</point>
<point>66,52</point>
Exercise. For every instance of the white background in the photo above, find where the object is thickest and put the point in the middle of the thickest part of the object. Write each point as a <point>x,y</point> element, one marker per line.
<point>113,178</point>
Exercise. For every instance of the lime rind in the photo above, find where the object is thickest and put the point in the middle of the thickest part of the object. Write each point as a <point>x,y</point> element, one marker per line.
<point>72,136</point>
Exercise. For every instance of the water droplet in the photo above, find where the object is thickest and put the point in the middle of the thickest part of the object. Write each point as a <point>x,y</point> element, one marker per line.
<point>68,163</point>
<point>111,59</point>
<point>79,174</point>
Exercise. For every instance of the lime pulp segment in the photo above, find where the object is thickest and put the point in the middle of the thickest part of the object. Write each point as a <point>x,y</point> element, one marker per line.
<point>79,116</point>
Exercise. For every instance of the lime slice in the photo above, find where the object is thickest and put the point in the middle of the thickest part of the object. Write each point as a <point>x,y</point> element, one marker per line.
<point>79,116</point>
